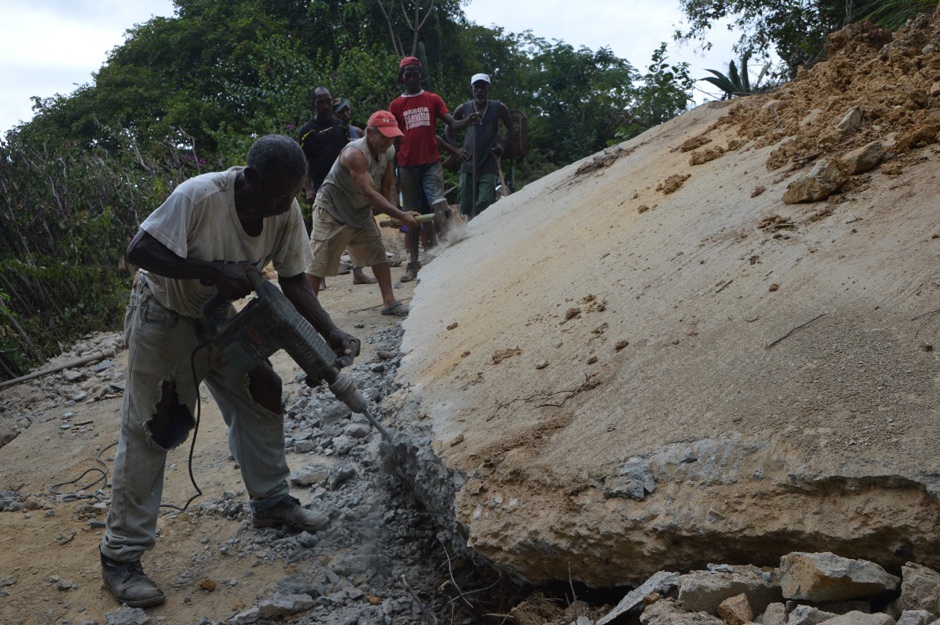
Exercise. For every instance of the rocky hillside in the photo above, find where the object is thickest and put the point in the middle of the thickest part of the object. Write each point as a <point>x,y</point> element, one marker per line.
<point>713,343</point>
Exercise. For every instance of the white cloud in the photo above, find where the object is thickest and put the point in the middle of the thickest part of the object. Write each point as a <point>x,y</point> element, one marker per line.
<point>632,29</point>
<point>50,47</point>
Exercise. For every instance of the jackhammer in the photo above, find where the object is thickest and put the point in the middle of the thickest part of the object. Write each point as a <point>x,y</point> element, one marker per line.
<point>269,323</point>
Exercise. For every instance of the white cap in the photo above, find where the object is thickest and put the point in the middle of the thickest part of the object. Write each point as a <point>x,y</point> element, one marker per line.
<point>478,77</point>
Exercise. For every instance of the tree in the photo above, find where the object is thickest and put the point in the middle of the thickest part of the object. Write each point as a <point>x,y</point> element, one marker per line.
<point>795,29</point>
<point>574,98</point>
<point>664,92</point>
<point>189,94</point>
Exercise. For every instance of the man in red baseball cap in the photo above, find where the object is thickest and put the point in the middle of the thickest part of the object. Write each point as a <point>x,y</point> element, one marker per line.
<point>408,60</point>
<point>419,160</point>
<point>385,122</point>
<point>361,181</point>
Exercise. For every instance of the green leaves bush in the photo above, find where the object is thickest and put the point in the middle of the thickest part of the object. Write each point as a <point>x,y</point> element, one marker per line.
<point>68,215</point>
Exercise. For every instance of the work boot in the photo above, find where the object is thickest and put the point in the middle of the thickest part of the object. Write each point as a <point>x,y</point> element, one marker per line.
<point>411,272</point>
<point>129,584</point>
<point>288,511</point>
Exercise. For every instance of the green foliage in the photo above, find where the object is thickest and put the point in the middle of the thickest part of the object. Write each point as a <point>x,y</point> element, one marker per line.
<point>892,14</point>
<point>189,94</point>
<point>574,98</point>
<point>736,84</point>
<point>795,29</point>
<point>663,93</point>
<point>68,215</point>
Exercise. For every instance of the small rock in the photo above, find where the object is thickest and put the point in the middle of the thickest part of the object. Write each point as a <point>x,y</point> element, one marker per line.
<point>283,605</point>
<point>864,158</point>
<point>310,475</point>
<point>127,616</point>
<point>70,375</point>
<point>860,618</point>
<point>808,615</point>
<point>916,617</point>
<point>920,588</point>
<point>357,430</point>
<point>828,577</point>
<point>775,614</point>
<point>736,610</point>
<point>340,474</point>
<point>825,178</point>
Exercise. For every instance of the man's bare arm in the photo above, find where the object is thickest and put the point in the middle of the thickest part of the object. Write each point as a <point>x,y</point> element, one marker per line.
<point>355,162</point>
<point>506,118</point>
<point>148,253</point>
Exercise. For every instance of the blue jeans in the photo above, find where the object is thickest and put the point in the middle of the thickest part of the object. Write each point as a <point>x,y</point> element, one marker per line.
<point>160,343</point>
<point>421,180</point>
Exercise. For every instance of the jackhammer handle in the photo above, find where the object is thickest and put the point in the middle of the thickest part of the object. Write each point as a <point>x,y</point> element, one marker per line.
<point>218,303</point>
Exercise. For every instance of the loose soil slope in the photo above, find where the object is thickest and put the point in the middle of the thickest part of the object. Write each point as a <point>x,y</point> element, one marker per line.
<point>646,360</point>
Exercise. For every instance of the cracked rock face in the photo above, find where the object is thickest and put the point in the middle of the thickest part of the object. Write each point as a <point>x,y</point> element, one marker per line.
<point>605,392</point>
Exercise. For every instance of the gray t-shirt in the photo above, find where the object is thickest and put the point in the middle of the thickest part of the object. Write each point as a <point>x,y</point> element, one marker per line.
<point>339,196</point>
<point>199,221</point>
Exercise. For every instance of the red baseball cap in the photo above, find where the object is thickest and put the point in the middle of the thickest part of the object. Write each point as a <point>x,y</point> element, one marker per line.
<point>408,60</point>
<point>386,123</point>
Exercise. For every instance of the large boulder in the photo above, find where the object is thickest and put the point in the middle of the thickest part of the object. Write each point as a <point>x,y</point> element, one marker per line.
<point>598,392</point>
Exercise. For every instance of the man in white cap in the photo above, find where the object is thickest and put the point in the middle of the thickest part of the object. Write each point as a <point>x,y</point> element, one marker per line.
<point>361,181</point>
<point>478,173</point>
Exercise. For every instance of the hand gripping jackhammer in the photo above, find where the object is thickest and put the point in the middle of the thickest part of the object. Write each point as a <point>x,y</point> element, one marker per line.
<point>269,323</point>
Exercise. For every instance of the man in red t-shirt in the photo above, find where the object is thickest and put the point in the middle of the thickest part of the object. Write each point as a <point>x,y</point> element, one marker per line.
<point>419,160</point>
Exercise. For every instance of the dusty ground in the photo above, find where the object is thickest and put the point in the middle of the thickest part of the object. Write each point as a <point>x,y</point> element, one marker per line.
<point>55,544</point>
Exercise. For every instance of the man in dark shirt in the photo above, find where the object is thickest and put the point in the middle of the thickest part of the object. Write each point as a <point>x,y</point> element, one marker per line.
<point>482,147</point>
<point>322,139</point>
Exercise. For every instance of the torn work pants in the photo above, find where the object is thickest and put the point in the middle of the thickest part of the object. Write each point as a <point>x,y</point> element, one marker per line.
<point>160,345</point>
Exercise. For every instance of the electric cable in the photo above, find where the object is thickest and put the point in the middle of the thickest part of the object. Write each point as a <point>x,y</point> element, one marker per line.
<point>103,477</point>
<point>66,497</point>
<point>192,446</point>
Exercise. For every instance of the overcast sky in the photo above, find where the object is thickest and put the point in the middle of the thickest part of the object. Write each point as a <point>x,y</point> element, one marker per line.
<point>53,46</point>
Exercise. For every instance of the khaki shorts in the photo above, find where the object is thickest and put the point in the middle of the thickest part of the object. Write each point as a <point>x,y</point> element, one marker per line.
<point>329,238</point>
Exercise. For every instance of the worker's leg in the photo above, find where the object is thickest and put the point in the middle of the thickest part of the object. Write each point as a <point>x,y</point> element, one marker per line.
<point>251,406</point>
<point>383,275</point>
<point>432,181</point>
<point>412,197</point>
<point>250,403</point>
<point>156,415</point>
<point>368,247</point>
<point>359,276</point>
<point>486,191</point>
<point>328,239</point>
<point>466,195</point>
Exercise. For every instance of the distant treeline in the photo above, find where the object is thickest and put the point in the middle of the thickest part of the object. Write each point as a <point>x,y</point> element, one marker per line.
<point>188,94</point>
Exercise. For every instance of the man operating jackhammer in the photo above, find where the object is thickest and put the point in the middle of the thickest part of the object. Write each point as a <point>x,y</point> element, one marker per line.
<point>205,239</point>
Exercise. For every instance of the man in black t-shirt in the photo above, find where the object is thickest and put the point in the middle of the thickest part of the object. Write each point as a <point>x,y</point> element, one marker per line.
<point>322,139</point>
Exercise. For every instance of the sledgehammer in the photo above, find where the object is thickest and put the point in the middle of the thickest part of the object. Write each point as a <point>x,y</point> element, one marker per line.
<point>396,223</point>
